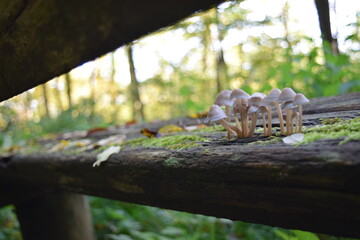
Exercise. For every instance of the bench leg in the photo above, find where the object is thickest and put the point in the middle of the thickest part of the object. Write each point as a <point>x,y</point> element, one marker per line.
<point>56,216</point>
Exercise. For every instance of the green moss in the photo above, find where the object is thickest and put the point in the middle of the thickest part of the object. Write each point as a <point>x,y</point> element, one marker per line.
<point>349,130</point>
<point>328,121</point>
<point>172,162</point>
<point>271,140</point>
<point>215,128</point>
<point>171,142</point>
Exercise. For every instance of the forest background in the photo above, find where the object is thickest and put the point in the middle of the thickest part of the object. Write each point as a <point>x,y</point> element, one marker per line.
<point>236,45</point>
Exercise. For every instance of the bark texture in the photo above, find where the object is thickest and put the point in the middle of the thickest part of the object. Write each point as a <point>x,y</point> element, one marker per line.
<point>314,187</point>
<point>42,39</point>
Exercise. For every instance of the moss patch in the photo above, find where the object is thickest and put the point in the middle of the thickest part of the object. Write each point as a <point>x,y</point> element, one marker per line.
<point>349,130</point>
<point>172,162</point>
<point>329,121</point>
<point>170,142</point>
<point>215,128</point>
<point>271,140</point>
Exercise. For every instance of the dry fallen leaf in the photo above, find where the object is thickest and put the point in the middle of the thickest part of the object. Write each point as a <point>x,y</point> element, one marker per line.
<point>104,155</point>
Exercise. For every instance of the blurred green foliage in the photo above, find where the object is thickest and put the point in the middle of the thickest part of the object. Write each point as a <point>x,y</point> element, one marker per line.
<point>114,220</point>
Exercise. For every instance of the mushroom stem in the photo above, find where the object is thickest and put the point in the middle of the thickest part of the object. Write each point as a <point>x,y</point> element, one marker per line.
<point>238,124</point>
<point>264,123</point>
<point>244,124</point>
<point>230,127</point>
<point>227,112</point>
<point>253,117</point>
<point>300,119</point>
<point>294,125</point>
<point>269,122</point>
<point>281,119</point>
<point>288,121</point>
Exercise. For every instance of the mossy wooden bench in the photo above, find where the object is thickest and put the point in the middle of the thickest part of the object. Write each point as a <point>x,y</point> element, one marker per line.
<point>314,186</point>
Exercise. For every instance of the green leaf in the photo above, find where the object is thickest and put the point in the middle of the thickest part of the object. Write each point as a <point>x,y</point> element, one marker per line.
<point>302,235</point>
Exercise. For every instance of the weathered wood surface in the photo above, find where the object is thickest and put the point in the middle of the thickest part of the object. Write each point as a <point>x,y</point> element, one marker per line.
<point>314,187</point>
<point>42,39</point>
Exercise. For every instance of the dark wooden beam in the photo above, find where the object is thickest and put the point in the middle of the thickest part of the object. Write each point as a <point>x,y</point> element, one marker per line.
<point>42,39</point>
<point>314,187</point>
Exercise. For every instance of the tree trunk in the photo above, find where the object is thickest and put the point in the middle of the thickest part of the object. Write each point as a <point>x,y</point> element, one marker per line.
<point>113,89</point>
<point>322,7</point>
<point>46,100</point>
<point>92,98</point>
<point>68,89</point>
<point>285,19</point>
<point>136,104</point>
<point>58,96</point>
<point>221,68</point>
<point>205,41</point>
<point>56,216</point>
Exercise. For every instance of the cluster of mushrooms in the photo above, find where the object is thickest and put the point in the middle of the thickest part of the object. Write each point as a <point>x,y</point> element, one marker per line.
<point>245,110</point>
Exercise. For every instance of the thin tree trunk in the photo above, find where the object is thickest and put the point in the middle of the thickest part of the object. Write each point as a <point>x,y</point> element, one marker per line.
<point>136,104</point>
<point>285,19</point>
<point>46,100</point>
<point>56,216</point>
<point>113,89</point>
<point>58,96</point>
<point>322,7</point>
<point>68,89</point>
<point>221,68</point>
<point>92,85</point>
<point>205,40</point>
<point>113,72</point>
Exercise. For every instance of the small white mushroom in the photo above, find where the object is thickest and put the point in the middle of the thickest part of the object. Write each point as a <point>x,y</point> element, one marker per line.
<point>271,100</point>
<point>238,93</point>
<point>223,99</point>
<point>286,96</point>
<point>216,114</point>
<point>299,100</point>
<point>255,100</point>
<point>294,126</point>
<point>253,115</point>
<point>241,106</point>
<point>287,106</point>
<point>263,110</point>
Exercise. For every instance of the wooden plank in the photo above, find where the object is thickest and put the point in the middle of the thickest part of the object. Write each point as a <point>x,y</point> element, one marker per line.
<point>314,187</point>
<point>42,39</point>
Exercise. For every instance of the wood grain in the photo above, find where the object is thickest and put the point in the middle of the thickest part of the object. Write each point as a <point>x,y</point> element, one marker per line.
<point>314,187</point>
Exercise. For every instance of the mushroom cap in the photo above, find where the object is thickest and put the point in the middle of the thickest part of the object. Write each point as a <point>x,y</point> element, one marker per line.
<point>240,104</point>
<point>273,95</point>
<point>215,114</point>
<point>287,94</point>
<point>239,93</point>
<point>287,105</point>
<point>262,109</point>
<point>253,109</point>
<point>300,99</point>
<point>256,99</point>
<point>223,98</point>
